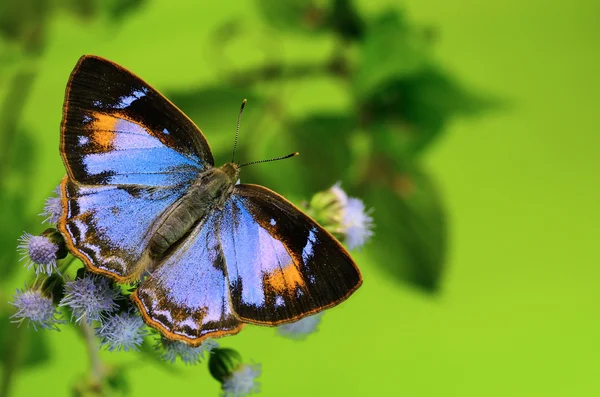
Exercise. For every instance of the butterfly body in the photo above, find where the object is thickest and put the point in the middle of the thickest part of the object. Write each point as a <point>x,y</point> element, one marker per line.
<point>209,192</point>
<point>142,197</point>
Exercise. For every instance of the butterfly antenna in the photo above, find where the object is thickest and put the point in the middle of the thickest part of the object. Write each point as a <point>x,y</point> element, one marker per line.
<point>237,130</point>
<point>275,159</point>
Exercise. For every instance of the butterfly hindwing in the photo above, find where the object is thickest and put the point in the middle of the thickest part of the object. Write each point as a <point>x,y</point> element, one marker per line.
<point>281,264</point>
<point>108,227</point>
<point>187,296</point>
<point>118,130</point>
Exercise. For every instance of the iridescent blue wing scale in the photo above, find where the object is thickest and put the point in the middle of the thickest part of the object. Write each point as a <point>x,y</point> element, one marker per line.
<point>187,297</point>
<point>108,227</point>
<point>281,264</point>
<point>118,130</point>
<point>129,155</point>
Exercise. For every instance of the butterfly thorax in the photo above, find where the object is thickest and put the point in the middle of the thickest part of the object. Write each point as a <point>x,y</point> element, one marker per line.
<point>208,192</point>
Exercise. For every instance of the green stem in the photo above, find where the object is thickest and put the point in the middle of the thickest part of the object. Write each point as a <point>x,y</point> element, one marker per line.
<point>336,65</point>
<point>12,356</point>
<point>96,367</point>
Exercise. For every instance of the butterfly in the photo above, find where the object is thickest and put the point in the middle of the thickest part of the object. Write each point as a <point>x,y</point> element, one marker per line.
<point>143,200</point>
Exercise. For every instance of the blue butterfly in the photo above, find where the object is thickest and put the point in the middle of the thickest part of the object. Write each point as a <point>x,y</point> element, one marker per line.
<point>142,200</point>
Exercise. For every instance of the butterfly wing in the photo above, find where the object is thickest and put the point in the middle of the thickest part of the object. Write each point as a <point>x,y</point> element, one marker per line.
<point>108,227</point>
<point>187,296</point>
<point>281,264</point>
<point>129,154</point>
<point>118,130</point>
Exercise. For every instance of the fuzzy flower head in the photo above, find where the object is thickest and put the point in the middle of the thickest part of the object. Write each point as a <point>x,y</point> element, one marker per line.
<point>302,328</point>
<point>122,331</point>
<point>91,297</point>
<point>188,354</point>
<point>39,252</point>
<point>53,207</point>
<point>237,378</point>
<point>242,381</point>
<point>345,217</point>
<point>357,223</point>
<point>38,309</point>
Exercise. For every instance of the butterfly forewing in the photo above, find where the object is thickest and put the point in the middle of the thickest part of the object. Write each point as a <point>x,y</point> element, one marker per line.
<point>118,130</point>
<point>282,265</point>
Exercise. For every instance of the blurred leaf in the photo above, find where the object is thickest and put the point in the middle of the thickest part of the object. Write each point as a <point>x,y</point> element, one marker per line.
<point>391,50</point>
<point>324,142</point>
<point>22,346</point>
<point>114,383</point>
<point>345,20</point>
<point>215,111</point>
<point>410,235</point>
<point>119,9</point>
<point>15,191</point>
<point>24,21</point>
<point>407,114</point>
<point>324,145</point>
<point>293,15</point>
<point>84,9</point>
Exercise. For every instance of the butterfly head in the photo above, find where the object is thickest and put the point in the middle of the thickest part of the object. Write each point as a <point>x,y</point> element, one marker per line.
<point>232,170</point>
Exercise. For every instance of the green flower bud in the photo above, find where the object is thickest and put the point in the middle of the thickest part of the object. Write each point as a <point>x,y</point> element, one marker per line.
<point>57,239</point>
<point>223,362</point>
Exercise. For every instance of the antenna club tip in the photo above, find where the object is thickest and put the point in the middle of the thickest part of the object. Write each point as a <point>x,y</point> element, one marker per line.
<point>296,153</point>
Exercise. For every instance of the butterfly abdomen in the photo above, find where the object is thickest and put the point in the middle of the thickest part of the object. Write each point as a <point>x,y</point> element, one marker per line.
<point>209,191</point>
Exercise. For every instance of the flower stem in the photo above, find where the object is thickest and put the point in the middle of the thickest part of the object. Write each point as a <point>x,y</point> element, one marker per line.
<point>11,359</point>
<point>96,367</point>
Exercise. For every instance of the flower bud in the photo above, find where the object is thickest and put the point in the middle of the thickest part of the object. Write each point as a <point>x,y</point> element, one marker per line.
<point>237,378</point>
<point>90,297</point>
<point>344,217</point>
<point>122,331</point>
<point>53,208</point>
<point>41,252</point>
<point>36,305</point>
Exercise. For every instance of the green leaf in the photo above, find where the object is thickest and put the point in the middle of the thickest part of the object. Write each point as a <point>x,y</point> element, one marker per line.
<point>23,20</point>
<point>215,111</point>
<point>391,50</point>
<point>345,20</point>
<point>406,115</point>
<point>325,154</point>
<point>15,196</point>
<point>299,16</point>
<point>120,9</point>
<point>410,235</point>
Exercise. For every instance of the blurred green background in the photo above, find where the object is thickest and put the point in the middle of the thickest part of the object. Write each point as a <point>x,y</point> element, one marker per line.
<point>470,127</point>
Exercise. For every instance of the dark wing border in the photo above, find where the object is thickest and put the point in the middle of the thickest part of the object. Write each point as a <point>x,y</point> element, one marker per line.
<point>86,62</point>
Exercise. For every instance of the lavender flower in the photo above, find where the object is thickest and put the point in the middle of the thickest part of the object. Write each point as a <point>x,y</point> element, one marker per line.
<point>37,308</point>
<point>343,216</point>
<point>39,252</point>
<point>122,331</point>
<point>357,223</point>
<point>90,297</point>
<point>242,381</point>
<point>302,328</point>
<point>188,354</point>
<point>237,378</point>
<point>53,207</point>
